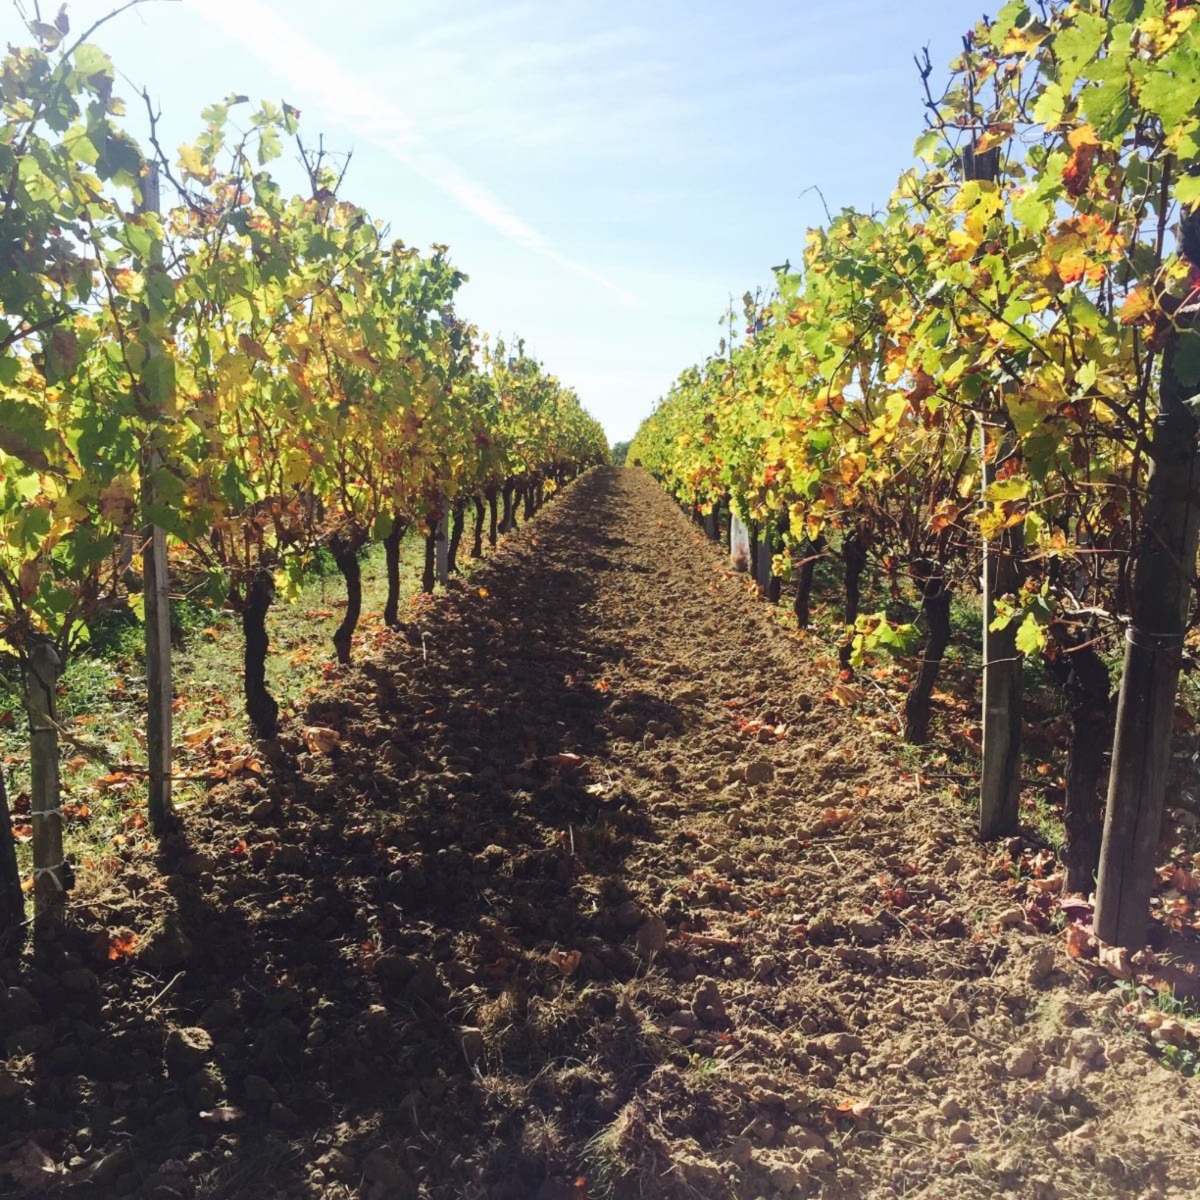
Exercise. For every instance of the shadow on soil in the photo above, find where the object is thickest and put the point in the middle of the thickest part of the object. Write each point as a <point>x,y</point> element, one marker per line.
<point>374,959</point>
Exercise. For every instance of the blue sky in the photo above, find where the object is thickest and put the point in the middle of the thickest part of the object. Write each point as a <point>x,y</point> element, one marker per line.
<point>609,174</point>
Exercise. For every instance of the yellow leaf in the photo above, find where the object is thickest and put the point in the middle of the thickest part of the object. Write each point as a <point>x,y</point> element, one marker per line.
<point>192,162</point>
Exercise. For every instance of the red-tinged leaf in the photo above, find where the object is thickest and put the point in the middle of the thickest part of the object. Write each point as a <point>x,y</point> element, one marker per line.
<point>121,944</point>
<point>238,849</point>
<point>1180,879</point>
<point>565,961</point>
<point>1080,942</point>
<point>836,816</point>
<point>252,349</point>
<point>1076,908</point>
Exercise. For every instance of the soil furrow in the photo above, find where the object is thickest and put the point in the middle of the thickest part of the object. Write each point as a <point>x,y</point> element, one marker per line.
<point>598,893</point>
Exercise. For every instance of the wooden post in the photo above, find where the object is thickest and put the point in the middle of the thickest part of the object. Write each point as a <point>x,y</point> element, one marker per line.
<point>766,551</point>
<point>739,544</point>
<point>1000,778</point>
<point>156,594</point>
<point>12,899</point>
<point>442,549</point>
<point>42,668</point>
<point>1162,589</point>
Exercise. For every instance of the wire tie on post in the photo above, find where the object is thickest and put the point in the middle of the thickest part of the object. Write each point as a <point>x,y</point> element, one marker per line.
<point>38,872</point>
<point>1155,643</point>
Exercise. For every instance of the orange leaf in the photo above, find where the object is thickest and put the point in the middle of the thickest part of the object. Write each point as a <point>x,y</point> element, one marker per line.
<point>1139,304</point>
<point>854,1106</point>
<point>565,960</point>
<point>120,945</point>
<point>1083,136</point>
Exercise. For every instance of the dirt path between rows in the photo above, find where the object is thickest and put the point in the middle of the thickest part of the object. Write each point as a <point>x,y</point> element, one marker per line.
<point>599,894</point>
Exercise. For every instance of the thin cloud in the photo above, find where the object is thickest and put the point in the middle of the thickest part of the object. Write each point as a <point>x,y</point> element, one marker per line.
<point>268,36</point>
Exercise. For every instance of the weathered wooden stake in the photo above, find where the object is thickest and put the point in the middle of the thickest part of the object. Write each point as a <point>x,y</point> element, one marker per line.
<point>739,544</point>
<point>1000,779</point>
<point>1162,590</point>
<point>156,594</point>
<point>441,545</point>
<point>42,669</point>
<point>12,899</point>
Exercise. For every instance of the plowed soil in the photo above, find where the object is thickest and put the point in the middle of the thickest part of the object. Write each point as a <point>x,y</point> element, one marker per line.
<point>586,887</point>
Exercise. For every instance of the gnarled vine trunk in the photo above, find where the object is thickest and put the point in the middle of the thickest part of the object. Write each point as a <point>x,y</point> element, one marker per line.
<point>477,540</point>
<point>854,558</point>
<point>457,519</point>
<point>801,606</point>
<point>391,551</point>
<point>344,548</point>
<point>935,608</point>
<point>429,574</point>
<point>1085,683</point>
<point>493,533</point>
<point>261,706</point>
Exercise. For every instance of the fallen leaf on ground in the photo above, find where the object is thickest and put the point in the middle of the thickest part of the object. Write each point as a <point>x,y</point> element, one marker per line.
<point>321,740</point>
<point>565,960</point>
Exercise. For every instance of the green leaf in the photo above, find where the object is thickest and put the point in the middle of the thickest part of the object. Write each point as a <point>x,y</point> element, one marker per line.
<point>1035,528</point>
<point>1107,107</point>
<point>1187,359</point>
<point>23,432</point>
<point>1031,636</point>
<point>1015,488</point>
<point>1050,104</point>
<point>1171,86</point>
<point>1077,44</point>
<point>927,144</point>
<point>1187,190</point>
<point>158,378</point>
<point>1032,213</point>
<point>89,60</point>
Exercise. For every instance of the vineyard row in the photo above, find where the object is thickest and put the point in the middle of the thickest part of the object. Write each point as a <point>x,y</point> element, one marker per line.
<point>992,383</point>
